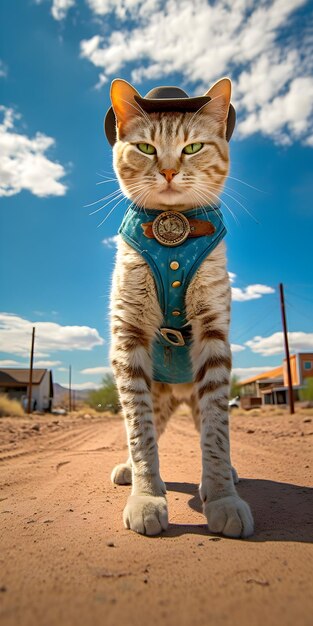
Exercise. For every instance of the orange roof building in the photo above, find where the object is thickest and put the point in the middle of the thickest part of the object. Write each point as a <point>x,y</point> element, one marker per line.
<point>272,386</point>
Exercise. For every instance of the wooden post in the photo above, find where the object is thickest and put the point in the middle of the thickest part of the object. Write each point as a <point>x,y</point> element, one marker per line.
<point>70,388</point>
<point>30,385</point>
<point>283,314</point>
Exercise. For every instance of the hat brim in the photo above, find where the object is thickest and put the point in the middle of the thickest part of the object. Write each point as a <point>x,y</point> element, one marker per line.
<point>188,105</point>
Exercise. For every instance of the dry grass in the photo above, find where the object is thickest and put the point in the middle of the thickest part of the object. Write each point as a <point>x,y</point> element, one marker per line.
<point>10,408</point>
<point>271,411</point>
<point>261,412</point>
<point>308,411</point>
<point>86,410</point>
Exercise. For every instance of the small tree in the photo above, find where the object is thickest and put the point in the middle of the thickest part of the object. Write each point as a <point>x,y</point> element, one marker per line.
<point>105,398</point>
<point>306,394</point>
<point>235,388</point>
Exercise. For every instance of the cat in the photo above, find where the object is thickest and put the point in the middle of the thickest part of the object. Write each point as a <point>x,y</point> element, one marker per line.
<point>173,161</point>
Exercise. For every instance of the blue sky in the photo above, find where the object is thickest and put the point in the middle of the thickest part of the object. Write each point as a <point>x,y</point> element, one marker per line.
<point>56,63</point>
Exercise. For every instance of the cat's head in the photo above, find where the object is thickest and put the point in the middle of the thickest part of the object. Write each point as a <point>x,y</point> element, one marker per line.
<point>171,159</point>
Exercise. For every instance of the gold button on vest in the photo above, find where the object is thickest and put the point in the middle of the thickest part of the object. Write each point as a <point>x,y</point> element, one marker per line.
<point>174,265</point>
<point>176,283</point>
<point>176,313</point>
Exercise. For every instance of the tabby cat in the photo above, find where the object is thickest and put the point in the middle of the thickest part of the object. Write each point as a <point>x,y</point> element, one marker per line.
<point>173,161</point>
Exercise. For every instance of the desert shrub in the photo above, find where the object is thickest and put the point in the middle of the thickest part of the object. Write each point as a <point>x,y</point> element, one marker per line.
<point>105,398</point>
<point>235,389</point>
<point>306,394</point>
<point>9,407</point>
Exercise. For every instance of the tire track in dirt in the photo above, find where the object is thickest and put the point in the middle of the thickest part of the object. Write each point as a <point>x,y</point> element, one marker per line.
<point>66,559</point>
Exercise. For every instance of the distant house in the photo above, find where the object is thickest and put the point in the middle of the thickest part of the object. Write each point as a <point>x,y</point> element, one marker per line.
<point>272,386</point>
<point>15,384</point>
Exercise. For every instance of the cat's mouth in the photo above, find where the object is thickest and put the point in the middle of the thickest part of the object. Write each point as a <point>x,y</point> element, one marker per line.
<point>170,190</point>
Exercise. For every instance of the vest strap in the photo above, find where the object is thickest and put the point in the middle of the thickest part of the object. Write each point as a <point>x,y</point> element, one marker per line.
<point>198,228</point>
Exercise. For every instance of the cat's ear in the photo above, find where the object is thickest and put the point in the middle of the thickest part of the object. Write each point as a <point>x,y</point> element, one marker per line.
<point>220,95</point>
<point>122,97</point>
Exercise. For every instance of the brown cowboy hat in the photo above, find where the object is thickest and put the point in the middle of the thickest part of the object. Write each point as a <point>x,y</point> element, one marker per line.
<point>167,99</point>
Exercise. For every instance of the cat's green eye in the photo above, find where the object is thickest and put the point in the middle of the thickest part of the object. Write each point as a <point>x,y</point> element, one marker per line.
<point>146,148</point>
<point>192,148</point>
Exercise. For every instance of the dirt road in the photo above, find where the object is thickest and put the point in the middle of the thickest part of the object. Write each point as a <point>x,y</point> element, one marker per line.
<point>66,559</point>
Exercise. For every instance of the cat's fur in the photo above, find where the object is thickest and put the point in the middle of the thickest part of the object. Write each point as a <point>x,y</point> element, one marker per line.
<point>136,313</point>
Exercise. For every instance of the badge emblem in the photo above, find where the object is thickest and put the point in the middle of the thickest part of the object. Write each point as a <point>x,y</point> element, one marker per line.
<point>171,228</point>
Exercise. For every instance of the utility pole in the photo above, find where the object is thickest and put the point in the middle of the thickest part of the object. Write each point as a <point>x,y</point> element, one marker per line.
<point>70,388</point>
<point>283,315</point>
<point>30,385</point>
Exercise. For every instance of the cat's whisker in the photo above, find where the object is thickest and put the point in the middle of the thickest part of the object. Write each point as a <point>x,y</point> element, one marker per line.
<point>208,200</point>
<point>227,207</point>
<point>113,194</point>
<point>140,110</point>
<point>101,199</point>
<point>196,113</point>
<point>203,201</point>
<point>240,203</point>
<point>110,180</point>
<point>225,187</point>
<point>103,172</point>
<point>106,204</point>
<point>199,110</point>
<point>112,176</point>
<point>247,184</point>
<point>142,198</point>
<point>137,189</point>
<point>111,211</point>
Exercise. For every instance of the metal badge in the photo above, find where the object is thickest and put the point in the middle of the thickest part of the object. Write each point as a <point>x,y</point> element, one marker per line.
<point>171,228</point>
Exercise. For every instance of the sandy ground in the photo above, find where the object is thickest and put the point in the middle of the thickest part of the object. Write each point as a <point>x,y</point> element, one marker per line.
<point>65,558</point>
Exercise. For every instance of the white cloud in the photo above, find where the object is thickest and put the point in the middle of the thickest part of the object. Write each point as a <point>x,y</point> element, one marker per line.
<point>274,344</point>
<point>46,364</point>
<point>62,369</point>
<point>124,8</point>
<point>18,364</point>
<point>251,292</point>
<point>288,115</point>
<point>110,242</point>
<point>244,38</point>
<point>3,69</point>
<point>23,162</point>
<point>96,371</point>
<point>9,363</point>
<point>247,372</point>
<point>85,386</point>
<point>236,347</point>
<point>15,336</point>
<point>60,8</point>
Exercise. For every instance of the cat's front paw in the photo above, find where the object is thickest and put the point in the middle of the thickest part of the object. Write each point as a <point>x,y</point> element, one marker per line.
<point>122,474</point>
<point>146,515</point>
<point>230,516</point>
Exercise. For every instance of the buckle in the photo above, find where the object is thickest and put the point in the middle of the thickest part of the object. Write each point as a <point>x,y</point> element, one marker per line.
<point>165,332</point>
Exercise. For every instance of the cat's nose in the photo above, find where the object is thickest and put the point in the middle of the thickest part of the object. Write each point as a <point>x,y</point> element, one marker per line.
<point>168,174</point>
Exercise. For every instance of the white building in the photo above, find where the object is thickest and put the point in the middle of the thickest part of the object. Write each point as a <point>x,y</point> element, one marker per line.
<point>15,384</point>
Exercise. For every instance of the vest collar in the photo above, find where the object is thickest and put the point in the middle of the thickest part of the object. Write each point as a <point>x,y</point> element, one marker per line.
<point>201,212</point>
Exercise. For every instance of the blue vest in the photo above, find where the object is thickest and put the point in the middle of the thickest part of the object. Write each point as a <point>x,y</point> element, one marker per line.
<point>172,363</point>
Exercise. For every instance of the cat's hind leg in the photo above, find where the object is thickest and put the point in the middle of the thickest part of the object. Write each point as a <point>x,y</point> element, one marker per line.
<point>122,473</point>
<point>164,404</point>
<point>195,411</point>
